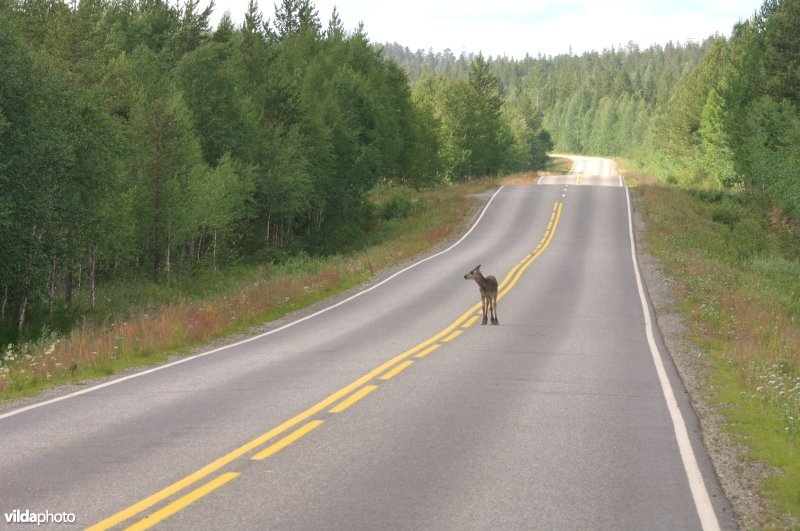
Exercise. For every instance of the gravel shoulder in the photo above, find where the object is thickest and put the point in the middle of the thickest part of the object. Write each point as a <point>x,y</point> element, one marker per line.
<point>739,476</point>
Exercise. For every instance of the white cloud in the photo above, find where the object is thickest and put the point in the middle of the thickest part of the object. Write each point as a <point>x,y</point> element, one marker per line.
<point>517,27</point>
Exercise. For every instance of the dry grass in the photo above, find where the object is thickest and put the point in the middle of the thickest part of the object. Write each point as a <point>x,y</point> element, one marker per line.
<point>99,349</point>
<point>738,275</point>
<point>148,336</point>
<point>518,179</point>
<point>558,166</point>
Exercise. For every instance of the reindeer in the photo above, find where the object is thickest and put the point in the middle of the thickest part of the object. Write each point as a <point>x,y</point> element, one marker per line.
<point>488,287</point>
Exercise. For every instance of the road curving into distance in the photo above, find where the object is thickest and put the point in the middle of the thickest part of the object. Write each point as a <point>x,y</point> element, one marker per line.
<point>397,409</point>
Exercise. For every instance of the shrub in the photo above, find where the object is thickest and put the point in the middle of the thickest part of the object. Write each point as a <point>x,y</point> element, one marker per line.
<point>725,213</point>
<point>399,204</point>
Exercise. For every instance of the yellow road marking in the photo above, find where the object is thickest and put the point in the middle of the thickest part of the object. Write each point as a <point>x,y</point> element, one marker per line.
<point>355,397</point>
<point>180,503</point>
<point>512,281</point>
<point>471,321</point>
<point>430,349</point>
<point>513,270</point>
<point>182,484</point>
<point>224,460</point>
<point>276,447</point>
<point>508,282</point>
<point>397,370</point>
<point>452,336</point>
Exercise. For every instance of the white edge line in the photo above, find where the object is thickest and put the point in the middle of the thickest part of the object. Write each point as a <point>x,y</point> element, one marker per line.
<point>248,340</point>
<point>702,501</point>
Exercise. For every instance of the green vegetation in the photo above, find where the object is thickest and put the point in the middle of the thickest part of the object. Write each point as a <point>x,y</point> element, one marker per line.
<point>602,103</point>
<point>719,114</point>
<point>161,175</point>
<point>736,266</point>
<point>142,149</point>
<point>157,320</point>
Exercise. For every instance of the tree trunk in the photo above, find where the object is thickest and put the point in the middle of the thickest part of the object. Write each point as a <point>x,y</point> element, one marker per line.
<point>93,273</point>
<point>215,250</point>
<point>157,222</point>
<point>26,284</point>
<point>52,290</point>
<point>156,263</point>
<point>169,244</point>
<point>80,278</point>
<point>68,286</point>
<point>4,304</point>
<point>23,303</point>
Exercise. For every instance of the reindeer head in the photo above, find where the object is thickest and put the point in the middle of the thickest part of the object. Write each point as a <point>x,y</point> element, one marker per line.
<point>474,274</point>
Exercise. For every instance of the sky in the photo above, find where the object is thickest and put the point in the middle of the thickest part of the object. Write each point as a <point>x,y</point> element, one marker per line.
<point>514,28</point>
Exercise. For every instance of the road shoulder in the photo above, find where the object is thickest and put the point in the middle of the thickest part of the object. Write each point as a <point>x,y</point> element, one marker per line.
<point>740,478</point>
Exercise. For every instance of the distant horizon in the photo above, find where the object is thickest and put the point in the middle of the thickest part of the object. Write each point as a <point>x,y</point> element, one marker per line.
<point>518,28</point>
<point>617,48</point>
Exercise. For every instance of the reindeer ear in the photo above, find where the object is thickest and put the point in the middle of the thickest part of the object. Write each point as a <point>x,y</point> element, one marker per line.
<point>479,266</point>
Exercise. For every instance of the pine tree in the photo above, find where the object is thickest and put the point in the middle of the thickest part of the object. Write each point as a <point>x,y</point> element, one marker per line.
<point>717,155</point>
<point>781,57</point>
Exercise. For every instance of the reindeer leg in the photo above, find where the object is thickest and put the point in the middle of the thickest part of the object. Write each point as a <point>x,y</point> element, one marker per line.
<point>485,303</point>
<point>494,310</point>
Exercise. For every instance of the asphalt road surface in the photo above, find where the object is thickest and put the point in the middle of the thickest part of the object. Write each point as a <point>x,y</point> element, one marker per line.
<point>396,409</point>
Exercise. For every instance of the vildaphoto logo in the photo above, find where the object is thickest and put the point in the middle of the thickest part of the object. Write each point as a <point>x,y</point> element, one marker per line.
<point>32,517</point>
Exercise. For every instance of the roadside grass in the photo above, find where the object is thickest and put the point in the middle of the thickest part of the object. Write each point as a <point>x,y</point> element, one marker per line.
<point>147,323</point>
<point>558,166</point>
<point>736,270</point>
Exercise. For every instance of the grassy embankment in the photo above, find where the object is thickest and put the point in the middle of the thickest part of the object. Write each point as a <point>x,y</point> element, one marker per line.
<point>736,269</point>
<point>143,323</point>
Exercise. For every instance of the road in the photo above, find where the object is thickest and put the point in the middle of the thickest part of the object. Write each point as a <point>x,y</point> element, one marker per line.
<point>397,409</point>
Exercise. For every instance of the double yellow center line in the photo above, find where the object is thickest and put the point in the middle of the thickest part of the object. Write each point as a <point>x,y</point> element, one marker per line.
<point>349,395</point>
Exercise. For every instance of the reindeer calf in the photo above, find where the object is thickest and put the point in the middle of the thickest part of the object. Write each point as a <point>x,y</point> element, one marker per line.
<point>488,287</point>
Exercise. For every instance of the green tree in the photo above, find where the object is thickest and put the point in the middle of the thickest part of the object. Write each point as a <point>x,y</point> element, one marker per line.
<point>36,150</point>
<point>717,155</point>
<point>485,146</point>
<point>165,158</point>
<point>207,80</point>
<point>781,57</point>
<point>219,198</point>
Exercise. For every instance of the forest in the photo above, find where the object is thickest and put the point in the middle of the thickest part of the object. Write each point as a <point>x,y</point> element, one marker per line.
<point>138,142</point>
<point>144,152</point>
<point>724,113</point>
